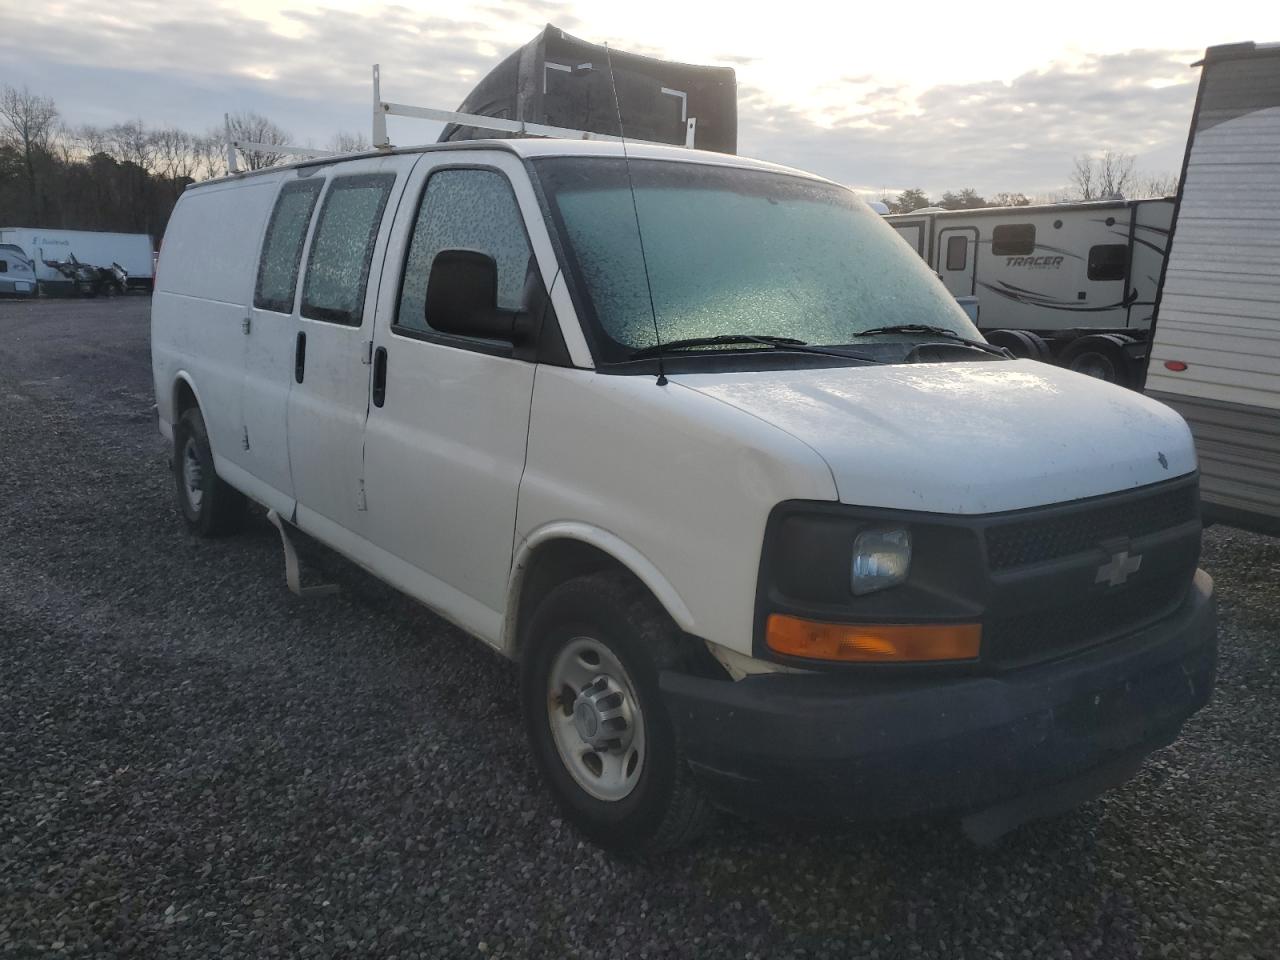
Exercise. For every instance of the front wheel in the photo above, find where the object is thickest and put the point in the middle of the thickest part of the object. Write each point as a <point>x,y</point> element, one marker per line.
<point>600,733</point>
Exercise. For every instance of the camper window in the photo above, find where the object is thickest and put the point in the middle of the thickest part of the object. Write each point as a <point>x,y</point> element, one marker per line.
<point>4,266</point>
<point>1013,239</point>
<point>1108,261</point>
<point>957,252</point>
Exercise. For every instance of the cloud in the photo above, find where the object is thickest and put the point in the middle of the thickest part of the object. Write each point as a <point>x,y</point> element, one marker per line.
<point>308,69</point>
<point>992,136</point>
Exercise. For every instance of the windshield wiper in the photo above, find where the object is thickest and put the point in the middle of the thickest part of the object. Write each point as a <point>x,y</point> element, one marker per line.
<point>725,338</point>
<point>777,343</point>
<point>930,330</point>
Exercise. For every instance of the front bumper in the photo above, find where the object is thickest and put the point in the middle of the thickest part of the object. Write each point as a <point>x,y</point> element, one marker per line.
<point>833,745</point>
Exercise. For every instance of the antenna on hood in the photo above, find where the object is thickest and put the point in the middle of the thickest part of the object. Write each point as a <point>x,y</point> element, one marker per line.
<point>635,209</point>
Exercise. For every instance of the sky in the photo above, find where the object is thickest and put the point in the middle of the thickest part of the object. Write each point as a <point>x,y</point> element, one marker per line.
<point>994,96</point>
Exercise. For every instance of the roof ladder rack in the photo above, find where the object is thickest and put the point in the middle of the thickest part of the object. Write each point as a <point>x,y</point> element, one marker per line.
<point>250,146</point>
<point>383,109</point>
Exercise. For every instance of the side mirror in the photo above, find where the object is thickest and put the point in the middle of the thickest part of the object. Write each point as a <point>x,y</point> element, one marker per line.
<point>462,297</point>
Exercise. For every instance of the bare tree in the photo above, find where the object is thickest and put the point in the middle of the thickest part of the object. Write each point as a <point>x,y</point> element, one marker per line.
<point>29,123</point>
<point>211,155</point>
<point>1007,199</point>
<point>344,142</point>
<point>966,199</point>
<point>1106,176</point>
<point>176,155</point>
<point>130,142</point>
<point>255,128</point>
<point>92,140</point>
<point>1155,185</point>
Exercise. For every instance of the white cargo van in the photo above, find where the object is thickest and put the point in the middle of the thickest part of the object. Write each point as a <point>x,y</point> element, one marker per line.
<point>709,451</point>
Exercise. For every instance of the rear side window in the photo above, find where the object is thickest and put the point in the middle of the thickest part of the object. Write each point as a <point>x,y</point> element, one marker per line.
<point>1013,240</point>
<point>957,252</point>
<point>282,247</point>
<point>338,264</point>
<point>1108,261</point>
<point>465,210</point>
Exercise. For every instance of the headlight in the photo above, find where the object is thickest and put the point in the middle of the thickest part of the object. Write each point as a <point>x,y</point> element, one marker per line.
<point>881,558</point>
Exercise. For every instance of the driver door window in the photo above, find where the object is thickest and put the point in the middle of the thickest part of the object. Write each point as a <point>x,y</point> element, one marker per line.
<point>464,210</point>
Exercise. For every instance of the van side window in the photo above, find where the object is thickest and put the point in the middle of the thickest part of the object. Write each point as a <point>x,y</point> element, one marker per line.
<point>464,210</point>
<point>957,252</point>
<point>1013,239</point>
<point>1108,261</point>
<point>338,263</point>
<point>282,246</point>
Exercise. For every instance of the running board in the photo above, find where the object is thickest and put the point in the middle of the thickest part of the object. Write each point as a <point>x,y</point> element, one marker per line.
<point>292,572</point>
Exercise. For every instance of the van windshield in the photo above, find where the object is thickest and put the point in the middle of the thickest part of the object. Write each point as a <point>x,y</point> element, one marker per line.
<point>733,251</point>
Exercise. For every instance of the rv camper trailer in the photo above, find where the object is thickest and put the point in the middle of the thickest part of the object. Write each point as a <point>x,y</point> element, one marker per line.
<point>1073,283</point>
<point>1215,355</point>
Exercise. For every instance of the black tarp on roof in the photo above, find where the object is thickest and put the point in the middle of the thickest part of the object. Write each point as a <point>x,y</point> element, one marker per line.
<point>563,81</point>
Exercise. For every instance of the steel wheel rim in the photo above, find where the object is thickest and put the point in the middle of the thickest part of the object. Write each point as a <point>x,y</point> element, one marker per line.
<point>1096,366</point>
<point>192,476</point>
<point>595,719</point>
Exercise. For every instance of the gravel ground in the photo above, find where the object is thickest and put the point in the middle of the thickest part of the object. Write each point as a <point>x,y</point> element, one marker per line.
<point>194,762</point>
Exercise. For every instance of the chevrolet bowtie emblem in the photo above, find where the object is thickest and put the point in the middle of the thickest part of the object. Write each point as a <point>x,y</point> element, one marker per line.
<point>1116,570</point>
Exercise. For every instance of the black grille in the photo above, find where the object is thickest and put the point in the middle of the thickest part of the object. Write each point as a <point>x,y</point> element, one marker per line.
<point>1034,540</point>
<point>1063,628</point>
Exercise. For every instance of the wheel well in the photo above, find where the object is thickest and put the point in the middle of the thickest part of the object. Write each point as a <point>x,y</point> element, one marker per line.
<point>184,398</point>
<point>551,565</point>
<point>559,560</point>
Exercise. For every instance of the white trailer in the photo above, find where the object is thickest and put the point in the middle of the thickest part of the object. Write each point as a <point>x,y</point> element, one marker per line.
<point>1215,354</point>
<point>96,248</point>
<point>1073,283</point>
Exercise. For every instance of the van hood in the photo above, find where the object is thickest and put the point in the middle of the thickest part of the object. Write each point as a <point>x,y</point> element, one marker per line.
<point>964,438</point>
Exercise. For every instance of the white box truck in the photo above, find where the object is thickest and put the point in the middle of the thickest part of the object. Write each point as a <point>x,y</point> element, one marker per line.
<point>94,248</point>
<point>1215,357</point>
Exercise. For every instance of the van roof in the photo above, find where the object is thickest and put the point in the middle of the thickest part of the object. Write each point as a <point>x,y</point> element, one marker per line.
<point>532,147</point>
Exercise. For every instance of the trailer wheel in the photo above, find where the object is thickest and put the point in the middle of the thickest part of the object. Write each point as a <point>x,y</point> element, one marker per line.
<point>1023,344</point>
<point>1101,356</point>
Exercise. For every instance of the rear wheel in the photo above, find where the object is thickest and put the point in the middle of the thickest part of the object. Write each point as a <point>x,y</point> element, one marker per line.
<point>210,507</point>
<point>1021,343</point>
<point>1100,356</point>
<point>599,730</point>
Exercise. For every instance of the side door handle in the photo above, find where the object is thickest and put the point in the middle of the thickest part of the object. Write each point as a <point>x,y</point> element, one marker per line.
<point>300,357</point>
<point>380,376</point>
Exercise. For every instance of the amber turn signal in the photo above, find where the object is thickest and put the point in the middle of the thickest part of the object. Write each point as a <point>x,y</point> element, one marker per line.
<point>872,642</point>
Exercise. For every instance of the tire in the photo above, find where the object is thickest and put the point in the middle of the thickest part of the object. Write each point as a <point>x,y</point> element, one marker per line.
<point>207,504</point>
<point>1100,356</point>
<point>1021,343</point>
<point>643,807</point>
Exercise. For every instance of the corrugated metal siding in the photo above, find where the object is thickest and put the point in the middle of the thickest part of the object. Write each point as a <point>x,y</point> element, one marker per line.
<point>1220,308</point>
<point>1219,311</point>
<point>1239,449</point>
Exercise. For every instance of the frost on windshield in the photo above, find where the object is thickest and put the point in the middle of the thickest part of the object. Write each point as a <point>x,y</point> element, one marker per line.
<point>737,251</point>
<point>338,264</point>
<point>465,210</point>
